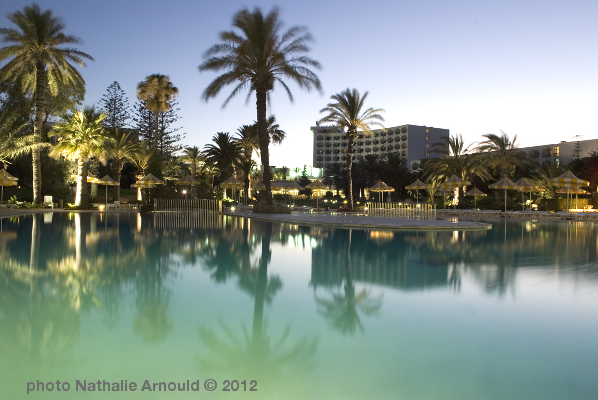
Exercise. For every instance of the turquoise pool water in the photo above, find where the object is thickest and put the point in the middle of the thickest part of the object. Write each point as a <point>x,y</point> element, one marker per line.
<point>305,313</point>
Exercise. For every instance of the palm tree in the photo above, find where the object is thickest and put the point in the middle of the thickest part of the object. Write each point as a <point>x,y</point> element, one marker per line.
<point>80,137</point>
<point>192,155</point>
<point>276,134</point>
<point>396,173</point>
<point>455,159</point>
<point>256,59</point>
<point>224,153</point>
<point>370,166</point>
<point>12,141</point>
<point>502,154</point>
<point>247,139</point>
<point>120,148</point>
<point>347,115</point>
<point>141,159</point>
<point>40,63</point>
<point>335,174</point>
<point>158,93</point>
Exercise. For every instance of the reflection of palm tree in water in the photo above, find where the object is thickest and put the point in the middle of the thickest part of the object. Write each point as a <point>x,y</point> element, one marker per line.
<point>152,322</point>
<point>342,310</point>
<point>254,354</point>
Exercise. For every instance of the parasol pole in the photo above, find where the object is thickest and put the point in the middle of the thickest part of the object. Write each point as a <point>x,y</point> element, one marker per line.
<point>505,200</point>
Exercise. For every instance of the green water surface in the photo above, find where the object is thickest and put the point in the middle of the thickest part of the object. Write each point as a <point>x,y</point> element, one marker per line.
<point>304,312</point>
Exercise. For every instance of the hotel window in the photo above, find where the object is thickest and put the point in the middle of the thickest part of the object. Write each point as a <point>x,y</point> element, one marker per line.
<point>556,151</point>
<point>427,145</point>
<point>427,153</point>
<point>427,137</point>
<point>427,130</point>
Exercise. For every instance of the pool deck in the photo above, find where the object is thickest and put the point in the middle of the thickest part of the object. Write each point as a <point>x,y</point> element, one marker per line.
<point>355,221</point>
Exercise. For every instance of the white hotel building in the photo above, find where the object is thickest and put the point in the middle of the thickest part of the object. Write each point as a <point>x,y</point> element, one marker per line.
<point>412,142</point>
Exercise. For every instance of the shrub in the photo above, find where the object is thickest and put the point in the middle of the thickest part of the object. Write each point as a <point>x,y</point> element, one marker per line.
<point>262,207</point>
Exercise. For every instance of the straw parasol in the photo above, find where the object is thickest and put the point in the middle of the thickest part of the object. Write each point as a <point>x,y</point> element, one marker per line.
<point>505,183</point>
<point>568,180</point>
<point>381,187</point>
<point>525,185</point>
<point>233,183</point>
<point>573,190</point>
<point>317,186</point>
<point>187,180</point>
<point>90,179</point>
<point>261,186</point>
<point>6,179</point>
<point>292,187</point>
<point>416,186</point>
<point>475,192</point>
<point>107,181</point>
<point>147,182</point>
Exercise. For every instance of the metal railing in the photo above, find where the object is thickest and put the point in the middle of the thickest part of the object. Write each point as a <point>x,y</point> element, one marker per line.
<point>401,210</point>
<point>207,205</point>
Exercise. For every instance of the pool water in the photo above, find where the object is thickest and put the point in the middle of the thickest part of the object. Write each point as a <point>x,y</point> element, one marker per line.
<point>295,312</point>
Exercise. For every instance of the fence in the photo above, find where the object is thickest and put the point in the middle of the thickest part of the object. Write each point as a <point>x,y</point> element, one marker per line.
<point>401,210</point>
<point>207,205</point>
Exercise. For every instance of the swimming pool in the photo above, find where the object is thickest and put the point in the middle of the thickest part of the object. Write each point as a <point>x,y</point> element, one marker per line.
<point>294,312</point>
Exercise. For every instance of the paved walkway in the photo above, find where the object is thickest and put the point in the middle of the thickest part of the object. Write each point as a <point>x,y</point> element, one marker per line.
<point>363,222</point>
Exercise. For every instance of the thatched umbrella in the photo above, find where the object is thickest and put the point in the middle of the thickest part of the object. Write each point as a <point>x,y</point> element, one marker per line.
<point>416,186</point>
<point>506,184</point>
<point>475,192</point>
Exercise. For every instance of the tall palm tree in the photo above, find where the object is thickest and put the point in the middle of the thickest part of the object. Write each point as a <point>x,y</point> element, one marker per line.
<point>347,115</point>
<point>120,148</point>
<point>257,58</point>
<point>192,155</point>
<point>40,63</point>
<point>80,137</point>
<point>224,153</point>
<point>502,154</point>
<point>454,158</point>
<point>158,93</point>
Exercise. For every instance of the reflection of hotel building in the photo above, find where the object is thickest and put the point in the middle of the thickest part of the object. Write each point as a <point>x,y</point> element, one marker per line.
<point>412,142</point>
<point>380,258</point>
<point>561,153</point>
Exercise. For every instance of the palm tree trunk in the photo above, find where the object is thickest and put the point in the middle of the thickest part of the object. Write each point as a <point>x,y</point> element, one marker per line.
<point>40,108</point>
<point>350,146</point>
<point>94,168</point>
<point>117,167</point>
<point>81,199</point>
<point>155,142</point>
<point>264,138</point>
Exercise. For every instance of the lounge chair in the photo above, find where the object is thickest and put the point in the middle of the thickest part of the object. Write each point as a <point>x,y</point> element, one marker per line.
<point>48,202</point>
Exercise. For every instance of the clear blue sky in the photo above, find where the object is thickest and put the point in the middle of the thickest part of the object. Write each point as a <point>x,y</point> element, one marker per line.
<point>529,68</point>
